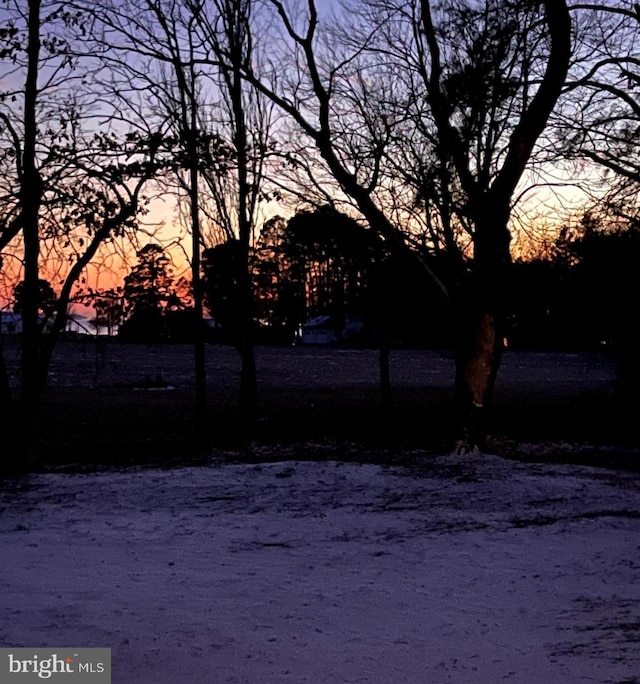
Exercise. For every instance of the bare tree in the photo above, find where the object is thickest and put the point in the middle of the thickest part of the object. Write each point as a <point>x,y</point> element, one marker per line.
<point>481,82</point>
<point>149,61</point>
<point>69,190</point>
<point>489,149</point>
<point>186,56</point>
<point>181,107</point>
<point>245,116</point>
<point>597,132</point>
<point>598,123</point>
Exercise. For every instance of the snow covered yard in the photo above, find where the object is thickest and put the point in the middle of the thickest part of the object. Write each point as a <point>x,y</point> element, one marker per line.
<point>476,570</point>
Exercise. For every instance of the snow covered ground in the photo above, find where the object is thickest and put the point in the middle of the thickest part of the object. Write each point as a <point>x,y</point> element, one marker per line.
<point>476,570</point>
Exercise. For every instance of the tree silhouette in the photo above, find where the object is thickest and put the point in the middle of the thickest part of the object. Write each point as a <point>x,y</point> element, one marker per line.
<point>279,282</point>
<point>193,53</point>
<point>148,294</point>
<point>606,289</point>
<point>245,120</point>
<point>66,190</point>
<point>482,82</point>
<point>222,272</point>
<point>334,256</point>
<point>47,299</point>
<point>597,122</point>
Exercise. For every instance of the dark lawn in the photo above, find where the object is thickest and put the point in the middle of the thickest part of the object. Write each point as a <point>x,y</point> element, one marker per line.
<point>109,403</point>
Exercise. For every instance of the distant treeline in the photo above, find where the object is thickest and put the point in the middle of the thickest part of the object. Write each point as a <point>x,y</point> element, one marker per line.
<point>584,296</point>
<point>581,296</point>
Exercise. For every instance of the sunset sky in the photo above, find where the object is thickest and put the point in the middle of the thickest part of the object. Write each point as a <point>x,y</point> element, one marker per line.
<point>534,221</point>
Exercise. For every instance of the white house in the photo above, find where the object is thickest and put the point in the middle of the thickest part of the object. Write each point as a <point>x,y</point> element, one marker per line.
<point>11,323</point>
<point>319,330</point>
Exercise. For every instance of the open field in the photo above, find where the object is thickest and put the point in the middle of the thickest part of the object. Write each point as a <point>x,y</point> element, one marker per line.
<point>109,402</point>
<point>99,362</point>
<point>462,570</point>
<point>346,547</point>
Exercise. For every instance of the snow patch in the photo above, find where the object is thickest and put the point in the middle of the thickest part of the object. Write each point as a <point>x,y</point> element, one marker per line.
<point>449,569</point>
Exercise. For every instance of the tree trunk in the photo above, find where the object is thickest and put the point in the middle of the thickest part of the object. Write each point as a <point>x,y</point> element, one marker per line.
<point>385,375</point>
<point>248,378</point>
<point>202,419</point>
<point>481,317</point>
<point>478,355</point>
<point>248,381</point>
<point>5,387</point>
<point>30,200</point>
<point>202,427</point>
<point>246,339</point>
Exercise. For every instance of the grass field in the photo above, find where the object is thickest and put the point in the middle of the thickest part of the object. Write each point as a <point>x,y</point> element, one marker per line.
<point>117,404</point>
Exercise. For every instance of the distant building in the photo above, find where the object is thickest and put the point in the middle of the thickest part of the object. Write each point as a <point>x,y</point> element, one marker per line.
<point>79,324</point>
<point>319,330</point>
<point>325,330</point>
<point>11,323</point>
